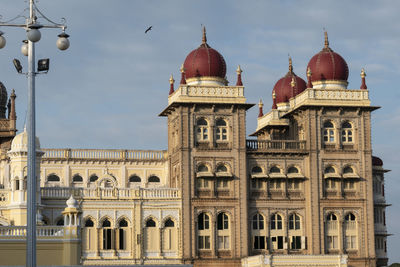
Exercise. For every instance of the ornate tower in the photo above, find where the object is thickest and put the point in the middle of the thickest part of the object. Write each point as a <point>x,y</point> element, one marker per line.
<point>207,159</point>
<point>7,124</point>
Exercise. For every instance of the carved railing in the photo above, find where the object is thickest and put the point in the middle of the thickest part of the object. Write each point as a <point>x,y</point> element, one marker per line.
<point>41,231</point>
<point>273,145</point>
<point>110,193</point>
<point>104,154</point>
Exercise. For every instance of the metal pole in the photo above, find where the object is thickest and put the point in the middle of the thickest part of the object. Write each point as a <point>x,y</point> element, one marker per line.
<point>31,209</point>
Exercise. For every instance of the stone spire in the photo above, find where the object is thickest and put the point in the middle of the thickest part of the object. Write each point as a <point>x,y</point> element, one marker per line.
<point>260,109</point>
<point>171,83</point>
<point>309,84</point>
<point>183,76</point>
<point>363,84</point>
<point>239,76</point>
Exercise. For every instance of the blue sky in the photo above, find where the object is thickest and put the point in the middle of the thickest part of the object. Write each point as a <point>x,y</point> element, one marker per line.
<point>108,88</point>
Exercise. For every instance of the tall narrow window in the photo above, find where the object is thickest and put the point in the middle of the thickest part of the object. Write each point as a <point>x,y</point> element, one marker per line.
<point>204,234</point>
<point>223,231</point>
<point>329,132</point>
<point>258,222</point>
<point>294,222</point>
<point>202,130</point>
<point>276,222</point>
<point>123,224</point>
<point>107,235</point>
<point>221,130</point>
<point>347,132</point>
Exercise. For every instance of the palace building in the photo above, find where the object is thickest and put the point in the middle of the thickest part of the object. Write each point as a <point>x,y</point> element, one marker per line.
<point>303,190</point>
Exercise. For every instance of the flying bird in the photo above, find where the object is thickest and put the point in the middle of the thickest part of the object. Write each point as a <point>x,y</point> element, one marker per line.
<point>148,29</point>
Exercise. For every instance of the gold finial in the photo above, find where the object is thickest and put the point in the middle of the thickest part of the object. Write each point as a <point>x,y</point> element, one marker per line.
<point>326,39</point>
<point>273,94</point>
<point>204,40</point>
<point>182,69</point>
<point>171,80</point>
<point>13,92</point>
<point>290,65</point>
<point>309,72</point>
<point>293,83</point>
<point>239,70</point>
<point>363,74</point>
<point>260,104</point>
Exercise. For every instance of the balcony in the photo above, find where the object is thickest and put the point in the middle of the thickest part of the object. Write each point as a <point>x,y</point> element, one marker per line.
<point>109,193</point>
<point>280,146</point>
<point>42,232</point>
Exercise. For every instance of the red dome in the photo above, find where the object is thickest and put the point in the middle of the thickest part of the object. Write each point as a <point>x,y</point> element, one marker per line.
<point>205,61</point>
<point>283,88</point>
<point>377,161</point>
<point>328,65</point>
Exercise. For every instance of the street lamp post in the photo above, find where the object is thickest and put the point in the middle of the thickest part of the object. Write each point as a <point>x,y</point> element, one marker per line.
<point>33,35</point>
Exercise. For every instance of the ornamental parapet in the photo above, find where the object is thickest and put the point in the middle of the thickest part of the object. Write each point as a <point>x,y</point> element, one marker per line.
<point>208,94</point>
<point>42,232</point>
<point>105,154</point>
<point>331,97</point>
<point>110,193</point>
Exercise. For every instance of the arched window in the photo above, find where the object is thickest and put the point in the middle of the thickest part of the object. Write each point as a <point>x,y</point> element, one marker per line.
<point>331,217</point>
<point>202,130</point>
<point>222,221</point>
<point>154,179</point>
<point>169,223</point>
<point>330,169</point>
<point>221,130</point>
<point>350,217</point>
<point>134,179</point>
<point>348,170</point>
<point>53,178</point>
<point>203,227</point>
<point>256,170</point>
<point>202,168</point>
<point>203,221</point>
<point>150,223</point>
<point>93,178</point>
<point>294,222</point>
<point>329,132</point>
<point>274,169</point>
<point>122,231</point>
<point>293,170</point>
<point>276,222</point>
<point>347,132</point>
<point>89,223</point>
<point>350,229</point>
<point>77,178</point>
<point>107,235</point>
<point>222,168</point>
<point>258,222</point>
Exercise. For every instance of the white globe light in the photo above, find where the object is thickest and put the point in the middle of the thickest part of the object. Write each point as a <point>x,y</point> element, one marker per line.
<point>2,41</point>
<point>24,49</point>
<point>62,43</point>
<point>33,35</point>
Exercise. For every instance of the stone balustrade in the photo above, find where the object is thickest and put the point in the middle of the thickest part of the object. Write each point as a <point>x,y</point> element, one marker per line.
<point>12,232</point>
<point>271,145</point>
<point>104,154</point>
<point>110,193</point>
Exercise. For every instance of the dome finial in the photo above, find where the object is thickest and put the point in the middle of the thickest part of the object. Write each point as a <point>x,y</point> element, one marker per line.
<point>309,84</point>
<point>183,76</point>
<point>363,84</point>
<point>260,109</point>
<point>274,100</point>
<point>239,76</point>
<point>326,39</point>
<point>290,64</point>
<point>171,82</point>
<point>204,40</point>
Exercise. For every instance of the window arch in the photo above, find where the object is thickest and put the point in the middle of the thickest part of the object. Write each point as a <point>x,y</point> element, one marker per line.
<point>329,169</point>
<point>93,178</point>
<point>294,222</point>
<point>123,223</point>
<point>134,179</point>
<point>169,223</point>
<point>348,170</point>
<point>258,222</point>
<point>222,168</point>
<point>53,178</point>
<point>222,221</point>
<point>150,223</point>
<point>203,221</point>
<point>276,222</point>
<point>77,178</point>
<point>202,168</point>
<point>154,179</point>
<point>331,217</point>
<point>293,170</point>
<point>107,234</point>
<point>256,170</point>
<point>106,223</point>
<point>347,132</point>
<point>202,132</point>
<point>89,223</point>
<point>350,217</point>
<point>329,132</point>
<point>274,169</point>
<point>221,131</point>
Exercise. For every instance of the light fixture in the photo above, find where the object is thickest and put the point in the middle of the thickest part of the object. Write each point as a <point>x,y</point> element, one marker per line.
<point>24,48</point>
<point>62,41</point>
<point>43,64</point>
<point>17,65</point>
<point>33,33</point>
<point>2,40</point>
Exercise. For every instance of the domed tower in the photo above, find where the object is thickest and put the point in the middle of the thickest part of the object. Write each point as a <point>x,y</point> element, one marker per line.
<point>206,152</point>
<point>328,69</point>
<point>18,176</point>
<point>287,87</point>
